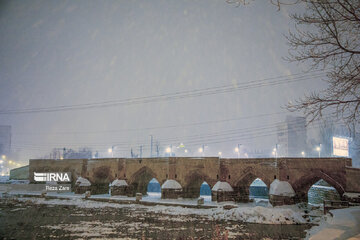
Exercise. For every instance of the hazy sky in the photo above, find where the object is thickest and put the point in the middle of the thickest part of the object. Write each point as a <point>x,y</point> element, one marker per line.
<point>56,53</point>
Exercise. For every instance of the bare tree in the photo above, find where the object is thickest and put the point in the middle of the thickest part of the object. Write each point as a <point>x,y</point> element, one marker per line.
<point>327,36</point>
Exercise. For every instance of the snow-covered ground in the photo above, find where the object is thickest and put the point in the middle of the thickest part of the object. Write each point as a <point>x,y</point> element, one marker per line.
<point>240,212</point>
<point>157,195</point>
<point>344,224</point>
<point>250,214</point>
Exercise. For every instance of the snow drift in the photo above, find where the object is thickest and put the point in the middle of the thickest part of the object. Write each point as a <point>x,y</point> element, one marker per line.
<point>82,182</point>
<point>119,183</point>
<point>224,186</point>
<point>171,184</point>
<point>281,188</point>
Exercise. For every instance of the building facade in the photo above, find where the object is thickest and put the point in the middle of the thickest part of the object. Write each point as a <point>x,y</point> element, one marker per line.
<point>291,136</point>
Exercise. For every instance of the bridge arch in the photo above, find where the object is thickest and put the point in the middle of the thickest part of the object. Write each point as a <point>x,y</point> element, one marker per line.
<point>153,189</point>
<point>321,191</point>
<point>139,181</point>
<point>194,180</point>
<point>242,186</point>
<point>302,185</point>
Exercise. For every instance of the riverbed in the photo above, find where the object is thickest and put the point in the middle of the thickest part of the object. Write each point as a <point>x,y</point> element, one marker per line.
<point>26,219</point>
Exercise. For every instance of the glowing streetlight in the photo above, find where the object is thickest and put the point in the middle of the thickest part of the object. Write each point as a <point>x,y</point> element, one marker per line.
<point>202,149</point>
<point>1,161</point>
<point>275,151</point>
<point>3,157</point>
<point>303,153</point>
<point>110,151</point>
<point>319,149</point>
<point>237,150</point>
<point>168,150</point>
<point>220,153</point>
<point>186,151</point>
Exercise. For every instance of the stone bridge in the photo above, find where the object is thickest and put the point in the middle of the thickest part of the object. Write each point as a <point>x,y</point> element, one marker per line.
<point>190,173</point>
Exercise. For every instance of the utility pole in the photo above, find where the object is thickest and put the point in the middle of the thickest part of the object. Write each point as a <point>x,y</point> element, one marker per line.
<point>151,145</point>
<point>157,149</point>
<point>238,149</point>
<point>141,151</point>
<point>276,154</point>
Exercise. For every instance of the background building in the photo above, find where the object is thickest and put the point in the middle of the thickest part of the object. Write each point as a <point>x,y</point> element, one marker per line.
<point>291,136</point>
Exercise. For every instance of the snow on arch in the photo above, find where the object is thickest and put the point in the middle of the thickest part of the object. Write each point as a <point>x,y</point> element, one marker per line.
<point>224,186</point>
<point>154,180</point>
<point>171,184</point>
<point>205,183</point>
<point>83,182</point>
<point>258,182</point>
<point>281,188</point>
<point>119,183</point>
<point>205,187</point>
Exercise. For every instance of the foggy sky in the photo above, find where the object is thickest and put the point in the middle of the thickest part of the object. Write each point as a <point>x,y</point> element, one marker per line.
<point>55,53</point>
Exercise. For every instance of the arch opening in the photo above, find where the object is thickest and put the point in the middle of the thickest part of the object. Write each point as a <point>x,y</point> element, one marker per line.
<point>245,185</point>
<point>153,189</point>
<point>194,181</point>
<point>320,191</point>
<point>205,191</point>
<point>258,190</point>
<point>139,181</point>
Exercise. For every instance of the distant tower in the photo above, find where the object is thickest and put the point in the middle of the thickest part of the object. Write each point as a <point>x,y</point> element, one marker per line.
<point>291,136</point>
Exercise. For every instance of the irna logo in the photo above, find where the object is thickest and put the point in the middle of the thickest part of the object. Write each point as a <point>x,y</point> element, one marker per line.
<point>52,177</point>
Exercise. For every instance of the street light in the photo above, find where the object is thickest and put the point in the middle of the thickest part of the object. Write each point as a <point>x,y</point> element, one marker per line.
<point>303,153</point>
<point>168,150</point>
<point>319,149</point>
<point>3,157</point>
<point>237,150</point>
<point>110,151</point>
<point>220,153</point>
<point>202,149</point>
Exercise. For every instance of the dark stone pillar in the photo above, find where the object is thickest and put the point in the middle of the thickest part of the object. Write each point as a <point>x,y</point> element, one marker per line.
<point>170,193</point>
<point>241,194</point>
<point>301,197</point>
<point>191,192</point>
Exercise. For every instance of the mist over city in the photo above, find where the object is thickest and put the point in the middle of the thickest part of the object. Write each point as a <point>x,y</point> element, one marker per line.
<point>219,84</point>
<point>206,73</point>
